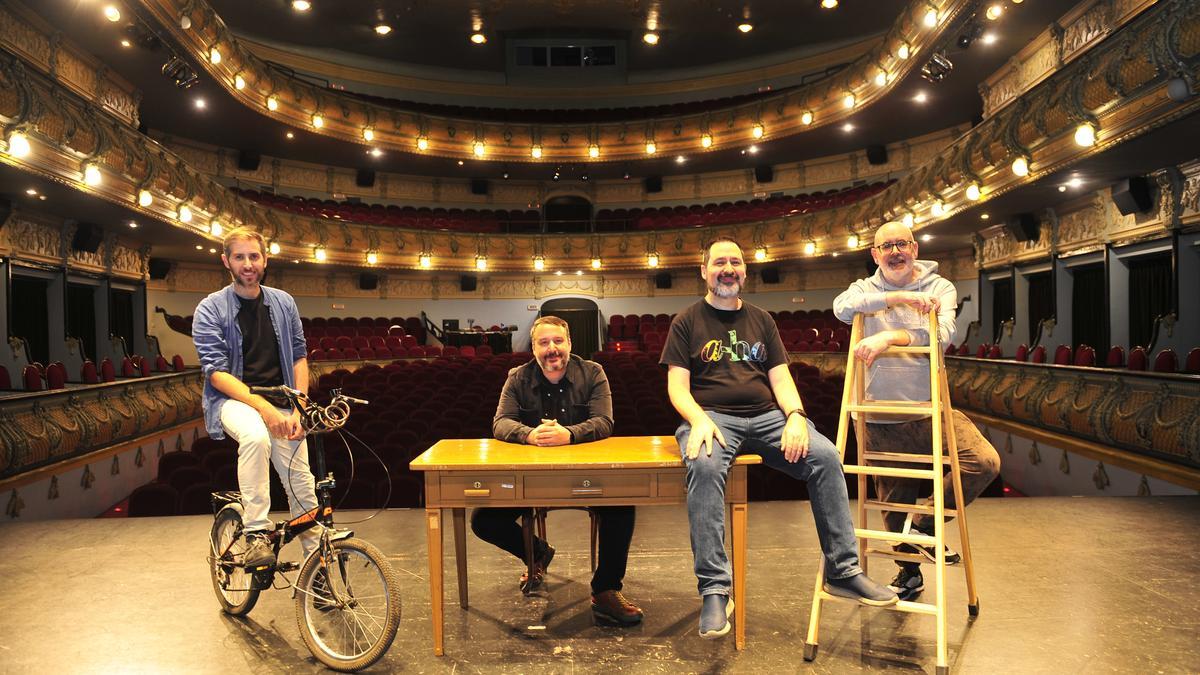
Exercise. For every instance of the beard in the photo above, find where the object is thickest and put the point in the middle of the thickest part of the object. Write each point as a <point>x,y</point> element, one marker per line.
<point>722,290</point>
<point>242,281</point>
<point>897,270</point>
<point>544,362</point>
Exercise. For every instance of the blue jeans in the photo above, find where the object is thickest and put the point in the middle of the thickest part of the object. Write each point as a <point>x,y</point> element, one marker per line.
<point>706,476</point>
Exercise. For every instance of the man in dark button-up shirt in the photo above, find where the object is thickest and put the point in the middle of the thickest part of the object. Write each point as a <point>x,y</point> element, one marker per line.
<point>558,399</point>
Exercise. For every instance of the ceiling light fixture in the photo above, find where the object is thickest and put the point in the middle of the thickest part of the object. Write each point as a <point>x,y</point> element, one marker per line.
<point>848,100</point>
<point>989,38</point>
<point>422,143</point>
<point>375,152</point>
<point>596,262</point>
<point>272,103</point>
<point>214,56</point>
<point>1020,166</point>
<point>18,144</point>
<point>760,254</point>
<point>810,248</point>
<point>318,121</point>
<point>31,192</point>
<point>239,82</point>
<point>593,151</point>
<point>745,26</point>
<point>274,248</point>
<point>1062,188</point>
<point>126,43</point>
<point>372,258</point>
<point>368,134</point>
<point>383,29</point>
<point>984,216</point>
<point>133,224</point>
<point>652,259</point>
<point>909,219</point>
<point>706,141</point>
<point>938,208</point>
<point>478,38</point>
<point>112,13</point>
<point>847,127</point>
<point>301,5</point>
<point>931,18</point>
<point>481,263</point>
<point>994,11</point>
<point>184,213</point>
<point>806,118</point>
<point>200,104</point>
<point>852,241</point>
<point>903,51</point>
<point>752,149</point>
<point>478,148</point>
<point>680,159</point>
<point>921,97</point>
<point>425,261</point>
<point>757,130</point>
<point>829,4</point>
<point>539,263</point>
<point>1085,134</point>
<point>319,253</point>
<point>651,147</point>
<point>650,38</point>
<point>215,228</point>
<point>974,192</point>
<point>290,135</point>
<point>535,152</point>
<point>92,175</point>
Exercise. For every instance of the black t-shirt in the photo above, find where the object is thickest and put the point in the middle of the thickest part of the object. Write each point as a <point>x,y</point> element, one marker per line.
<point>728,354</point>
<point>260,350</point>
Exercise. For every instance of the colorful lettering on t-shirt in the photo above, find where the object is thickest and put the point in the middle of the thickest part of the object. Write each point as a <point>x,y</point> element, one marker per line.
<point>739,350</point>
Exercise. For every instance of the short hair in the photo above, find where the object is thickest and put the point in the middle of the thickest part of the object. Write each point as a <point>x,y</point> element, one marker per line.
<point>245,234</point>
<point>549,320</point>
<point>718,240</point>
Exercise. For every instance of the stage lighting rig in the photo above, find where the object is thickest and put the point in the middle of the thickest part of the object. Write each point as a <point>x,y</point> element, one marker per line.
<point>180,72</point>
<point>937,68</point>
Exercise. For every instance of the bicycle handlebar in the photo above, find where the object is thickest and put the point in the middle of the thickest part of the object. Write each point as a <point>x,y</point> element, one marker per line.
<point>314,418</point>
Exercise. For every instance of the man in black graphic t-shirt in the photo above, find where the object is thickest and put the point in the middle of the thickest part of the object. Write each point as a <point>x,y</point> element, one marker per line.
<point>728,378</point>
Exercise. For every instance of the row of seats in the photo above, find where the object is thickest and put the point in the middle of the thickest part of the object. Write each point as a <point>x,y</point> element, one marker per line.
<point>1166,361</point>
<point>334,326</point>
<point>391,351</point>
<point>727,213</point>
<point>36,377</point>
<point>607,220</point>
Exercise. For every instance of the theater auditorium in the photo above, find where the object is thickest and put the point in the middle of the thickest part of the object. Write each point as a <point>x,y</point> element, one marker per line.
<point>945,255</point>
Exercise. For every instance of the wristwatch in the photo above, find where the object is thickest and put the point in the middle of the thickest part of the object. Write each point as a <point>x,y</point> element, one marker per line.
<point>797,411</point>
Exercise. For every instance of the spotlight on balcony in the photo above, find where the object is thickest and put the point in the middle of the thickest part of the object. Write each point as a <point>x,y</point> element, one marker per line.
<point>180,72</point>
<point>937,68</point>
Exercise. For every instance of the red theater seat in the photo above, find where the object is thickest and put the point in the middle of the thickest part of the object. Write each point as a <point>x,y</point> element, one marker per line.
<point>1166,361</point>
<point>1137,359</point>
<point>1116,357</point>
<point>32,378</point>
<point>1192,365</point>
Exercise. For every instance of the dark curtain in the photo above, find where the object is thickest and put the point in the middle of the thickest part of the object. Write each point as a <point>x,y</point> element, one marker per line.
<point>1041,301</point>
<point>583,320</point>
<point>120,315</point>
<point>81,316</point>
<point>1149,296</point>
<point>1002,303</point>
<point>1089,308</point>
<point>568,214</point>
<point>31,316</point>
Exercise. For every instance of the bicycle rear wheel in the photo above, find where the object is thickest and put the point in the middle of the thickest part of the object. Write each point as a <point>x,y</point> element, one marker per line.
<point>348,610</point>
<point>231,581</point>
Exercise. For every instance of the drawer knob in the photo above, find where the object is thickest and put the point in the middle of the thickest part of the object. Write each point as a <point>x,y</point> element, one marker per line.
<point>587,483</point>
<point>478,485</point>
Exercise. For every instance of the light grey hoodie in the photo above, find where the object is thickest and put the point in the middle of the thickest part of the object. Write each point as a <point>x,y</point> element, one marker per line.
<point>903,377</point>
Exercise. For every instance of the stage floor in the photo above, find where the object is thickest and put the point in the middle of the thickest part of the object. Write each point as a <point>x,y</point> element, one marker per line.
<point>1066,585</point>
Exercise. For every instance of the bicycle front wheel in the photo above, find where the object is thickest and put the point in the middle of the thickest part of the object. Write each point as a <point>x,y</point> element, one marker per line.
<point>227,547</point>
<point>348,606</point>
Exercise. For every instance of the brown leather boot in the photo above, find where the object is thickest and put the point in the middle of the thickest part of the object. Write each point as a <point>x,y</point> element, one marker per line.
<point>612,606</point>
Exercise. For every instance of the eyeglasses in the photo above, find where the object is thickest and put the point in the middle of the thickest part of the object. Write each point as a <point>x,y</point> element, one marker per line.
<point>901,245</point>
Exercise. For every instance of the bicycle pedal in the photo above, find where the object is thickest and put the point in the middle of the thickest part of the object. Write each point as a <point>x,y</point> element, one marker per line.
<point>261,580</point>
<point>287,567</point>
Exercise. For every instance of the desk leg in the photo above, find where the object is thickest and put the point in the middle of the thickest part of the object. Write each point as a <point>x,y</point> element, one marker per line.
<point>739,575</point>
<point>433,528</point>
<point>460,553</point>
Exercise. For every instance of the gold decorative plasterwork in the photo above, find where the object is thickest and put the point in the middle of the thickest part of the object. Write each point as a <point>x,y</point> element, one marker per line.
<point>42,239</point>
<point>26,34</point>
<point>345,116</point>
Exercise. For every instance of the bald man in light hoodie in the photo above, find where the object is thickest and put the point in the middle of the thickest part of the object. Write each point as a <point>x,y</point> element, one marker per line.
<point>896,302</point>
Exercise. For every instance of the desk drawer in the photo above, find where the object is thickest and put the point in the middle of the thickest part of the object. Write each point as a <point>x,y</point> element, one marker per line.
<point>584,486</point>
<point>672,485</point>
<point>484,487</point>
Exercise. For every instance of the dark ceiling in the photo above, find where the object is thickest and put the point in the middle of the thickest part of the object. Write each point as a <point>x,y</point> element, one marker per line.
<point>225,122</point>
<point>436,33</point>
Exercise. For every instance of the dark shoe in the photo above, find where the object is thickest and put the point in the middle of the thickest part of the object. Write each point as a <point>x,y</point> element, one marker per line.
<point>322,598</point>
<point>714,616</point>
<point>860,587</point>
<point>259,555</point>
<point>612,606</point>
<point>952,556</point>
<point>908,583</point>
<point>539,571</point>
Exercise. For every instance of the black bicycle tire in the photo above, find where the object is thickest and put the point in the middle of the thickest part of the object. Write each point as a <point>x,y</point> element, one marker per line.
<point>391,581</point>
<point>230,512</point>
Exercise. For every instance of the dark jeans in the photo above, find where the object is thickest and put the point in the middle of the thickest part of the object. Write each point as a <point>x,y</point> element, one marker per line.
<point>498,526</point>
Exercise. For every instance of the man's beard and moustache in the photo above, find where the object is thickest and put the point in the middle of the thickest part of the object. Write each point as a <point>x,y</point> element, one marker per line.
<point>562,362</point>
<point>721,290</point>
<point>240,280</point>
<point>894,266</point>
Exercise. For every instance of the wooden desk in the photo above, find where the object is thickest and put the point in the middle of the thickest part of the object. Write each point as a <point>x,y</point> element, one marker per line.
<point>627,470</point>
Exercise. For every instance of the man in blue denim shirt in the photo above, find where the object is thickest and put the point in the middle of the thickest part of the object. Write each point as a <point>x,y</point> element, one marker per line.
<point>728,378</point>
<point>247,335</point>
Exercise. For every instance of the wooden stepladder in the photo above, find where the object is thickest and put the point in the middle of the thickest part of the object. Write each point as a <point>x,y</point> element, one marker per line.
<point>938,408</point>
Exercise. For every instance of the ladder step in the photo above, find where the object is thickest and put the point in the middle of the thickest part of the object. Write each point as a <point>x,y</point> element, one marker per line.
<point>902,606</point>
<point>898,457</point>
<point>892,407</point>
<point>884,535</point>
<point>897,555</point>
<point>876,505</point>
<point>890,471</point>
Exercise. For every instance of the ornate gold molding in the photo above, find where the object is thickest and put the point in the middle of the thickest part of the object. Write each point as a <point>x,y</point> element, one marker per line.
<point>1145,413</point>
<point>27,35</point>
<point>299,103</point>
<point>43,429</point>
<point>42,239</point>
